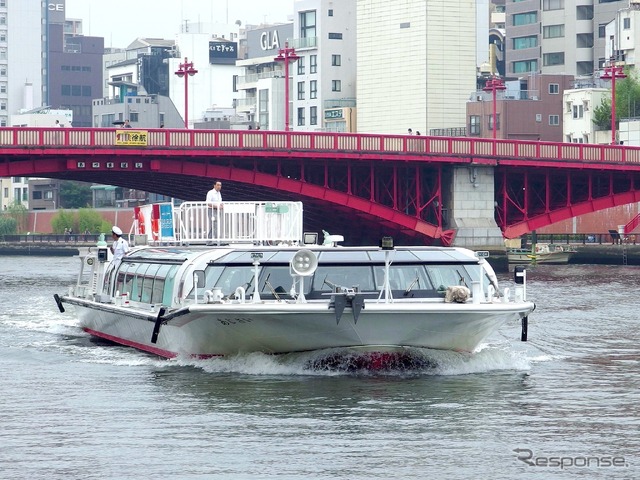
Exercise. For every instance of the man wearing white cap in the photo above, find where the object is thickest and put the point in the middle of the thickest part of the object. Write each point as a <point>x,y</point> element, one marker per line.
<point>119,248</point>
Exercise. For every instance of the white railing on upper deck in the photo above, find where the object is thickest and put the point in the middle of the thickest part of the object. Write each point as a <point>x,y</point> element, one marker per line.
<point>238,222</point>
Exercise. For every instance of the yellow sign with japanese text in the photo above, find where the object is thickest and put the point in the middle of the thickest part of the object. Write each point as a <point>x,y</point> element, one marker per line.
<point>132,137</point>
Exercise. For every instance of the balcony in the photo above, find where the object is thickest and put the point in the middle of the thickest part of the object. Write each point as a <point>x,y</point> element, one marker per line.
<point>303,43</point>
<point>248,81</point>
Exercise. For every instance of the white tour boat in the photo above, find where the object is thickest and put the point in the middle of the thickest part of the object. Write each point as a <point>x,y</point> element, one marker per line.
<point>266,286</point>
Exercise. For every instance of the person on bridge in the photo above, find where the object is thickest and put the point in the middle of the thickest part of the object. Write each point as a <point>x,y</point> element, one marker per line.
<point>214,204</point>
<point>119,248</point>
<point>127,124</point>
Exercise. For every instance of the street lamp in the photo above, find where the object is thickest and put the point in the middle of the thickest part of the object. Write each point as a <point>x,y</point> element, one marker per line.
<point>493,85</point>
<point>186,70</point>
<point>286,55</point>
<point>611,73</point>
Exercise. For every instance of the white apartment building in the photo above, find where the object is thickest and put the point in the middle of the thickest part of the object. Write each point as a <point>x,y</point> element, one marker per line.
<point>416,64</point>
<point>261,85</point>
<point>578,126</point>
<point>323,82</point>
<point>623,36</point>
<point>22,42</point>
<point>214,56</point>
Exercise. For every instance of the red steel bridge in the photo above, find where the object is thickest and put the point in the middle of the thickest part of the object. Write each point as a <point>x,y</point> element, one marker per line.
<point>361,185</point>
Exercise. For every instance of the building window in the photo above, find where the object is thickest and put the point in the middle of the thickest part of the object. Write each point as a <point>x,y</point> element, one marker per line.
<point>6,192</point>
<point>602,32</point>
<point>133,116</point>
<point>525,66</point>
<point>555,58</point>
<point>300,90</point>
<point>300,63</point>
<point>336,85</point>
<point>584,12</point>
<point>3,88</point>
<point>86,90</point>
<point>301,116</point>
<point>554,88</point>
<point>553,31</point>
<point>626,23</point>
<point>76,90</point>
<point>584,40</point>
<point>578,111</point>
<point>263,108</point>
<point>25,194</point>
<point>65,90</point>
<point>525,42</point>
<point>497,122</point>
<point>474,124</point>
<point>554,119</point>
<point>48,195</point>
<point>308,24</point>
<point>526,18</point>
<point>313,64</point>
<point>313,115</point>
<point>335,36</point>
<point>336,60</point>
<point>553,4</point>
<point>313,89</point>
<point>331,12</point>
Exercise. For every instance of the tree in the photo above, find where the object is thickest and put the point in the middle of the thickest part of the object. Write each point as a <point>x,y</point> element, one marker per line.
<point>8,225</point>
<point>74,194</point>
<point>627,101</point>
<point>89,219</point>
<point>20,214</point>
<point>63,220</point>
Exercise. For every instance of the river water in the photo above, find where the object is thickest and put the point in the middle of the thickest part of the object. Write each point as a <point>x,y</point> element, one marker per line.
<point>565,403</point>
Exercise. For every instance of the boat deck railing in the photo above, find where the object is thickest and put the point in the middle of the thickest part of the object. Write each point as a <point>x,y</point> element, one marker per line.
<point>196,223</point>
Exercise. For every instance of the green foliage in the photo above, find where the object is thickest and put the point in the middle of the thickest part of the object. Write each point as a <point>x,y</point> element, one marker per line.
<point>74,194</point>
<point>8,225</point>
<point>105,227</point>
<point>18,212</point>
<point>627,101</point>
<point>89,219</point>
<point>602,114</point>
<point>62,220</point>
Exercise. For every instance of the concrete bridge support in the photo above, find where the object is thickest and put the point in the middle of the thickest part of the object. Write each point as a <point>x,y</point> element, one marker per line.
<point>472,207</point>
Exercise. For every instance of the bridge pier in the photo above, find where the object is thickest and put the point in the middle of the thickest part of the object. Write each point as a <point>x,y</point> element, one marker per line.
<point>472,208</point>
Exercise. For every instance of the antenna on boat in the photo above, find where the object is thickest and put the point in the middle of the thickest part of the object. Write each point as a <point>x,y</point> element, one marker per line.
<point>386,244</point>
<point>256,265</point>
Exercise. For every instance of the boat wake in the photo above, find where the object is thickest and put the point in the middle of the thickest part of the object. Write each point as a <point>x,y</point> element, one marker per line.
<point>340,362</point>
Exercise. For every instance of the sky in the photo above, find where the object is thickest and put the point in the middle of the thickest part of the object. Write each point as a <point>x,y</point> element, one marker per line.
<point>120,22</point>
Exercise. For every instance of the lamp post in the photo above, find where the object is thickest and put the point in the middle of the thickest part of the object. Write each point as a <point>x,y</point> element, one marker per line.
<point>611,73</point>
<point>286,55</point>
<point>493,85</point>
<point>186,70</point>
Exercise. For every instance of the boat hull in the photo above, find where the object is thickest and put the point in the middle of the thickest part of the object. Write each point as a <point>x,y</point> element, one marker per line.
<point>207,330</point>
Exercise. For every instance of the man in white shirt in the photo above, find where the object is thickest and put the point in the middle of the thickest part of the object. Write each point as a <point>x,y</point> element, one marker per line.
<point>119,248</point>
<point>214,204</point>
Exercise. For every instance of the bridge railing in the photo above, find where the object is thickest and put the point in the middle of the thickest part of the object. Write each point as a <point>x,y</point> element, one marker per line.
<point>415,147</point>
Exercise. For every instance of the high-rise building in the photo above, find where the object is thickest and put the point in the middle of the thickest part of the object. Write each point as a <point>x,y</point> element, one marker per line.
<point>558,36</point>
<point>416,64</point>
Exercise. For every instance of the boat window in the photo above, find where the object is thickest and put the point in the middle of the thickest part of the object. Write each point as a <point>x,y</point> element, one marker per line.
<point>405,278</point>
<point>347,276</point>
<point>148,280</point>
<point>233,277</point>
<point>125,278</point>
<point>280,280</point>
<point>169,282</point>
<point>443,276</point>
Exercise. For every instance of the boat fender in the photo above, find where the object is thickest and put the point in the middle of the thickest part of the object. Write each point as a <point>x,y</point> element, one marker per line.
<point>157,325</point>
<point>56,297</point>
<point>240,294</point>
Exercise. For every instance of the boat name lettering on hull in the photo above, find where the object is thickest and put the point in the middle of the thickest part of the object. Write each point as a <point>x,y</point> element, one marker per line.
<point>233,320</point>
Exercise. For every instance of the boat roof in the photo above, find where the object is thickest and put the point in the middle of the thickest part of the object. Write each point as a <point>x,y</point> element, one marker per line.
<point>326,255</point>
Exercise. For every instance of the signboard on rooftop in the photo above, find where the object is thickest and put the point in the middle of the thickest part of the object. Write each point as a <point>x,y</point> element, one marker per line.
<point>223,53</point>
